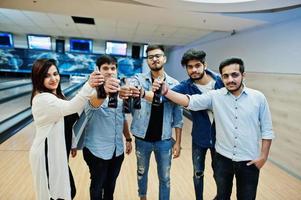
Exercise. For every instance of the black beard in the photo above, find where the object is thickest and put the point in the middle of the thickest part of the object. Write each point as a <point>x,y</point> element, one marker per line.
<point>199,78</point>
<point>156,69</point>
<point>240,86</point>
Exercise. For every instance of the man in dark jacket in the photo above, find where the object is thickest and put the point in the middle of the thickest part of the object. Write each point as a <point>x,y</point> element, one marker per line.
<point>200,81</point>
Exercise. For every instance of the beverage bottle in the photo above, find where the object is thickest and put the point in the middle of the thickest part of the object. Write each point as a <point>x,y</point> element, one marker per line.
<point>113,99</point>
<point>100,90</point>
<point>101,93</point>
<point>157,96</point>
<point>137,101</point>
<point>127,103</point>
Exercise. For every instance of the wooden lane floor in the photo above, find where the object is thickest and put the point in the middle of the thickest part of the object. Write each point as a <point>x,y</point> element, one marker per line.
<point>16,181</point>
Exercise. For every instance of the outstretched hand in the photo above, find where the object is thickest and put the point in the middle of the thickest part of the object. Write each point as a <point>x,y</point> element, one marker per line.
<point>157,84</point>
<point>96,79</point>
<point>112,85</point>
<point>127,91</point>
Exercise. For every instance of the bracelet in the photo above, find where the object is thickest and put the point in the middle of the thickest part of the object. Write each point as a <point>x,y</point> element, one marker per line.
<point>143,95</point>
<point>128,139</point>
<point>165,93</point>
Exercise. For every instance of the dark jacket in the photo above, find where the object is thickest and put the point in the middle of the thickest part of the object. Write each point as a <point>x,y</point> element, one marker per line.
<point>203,132</point>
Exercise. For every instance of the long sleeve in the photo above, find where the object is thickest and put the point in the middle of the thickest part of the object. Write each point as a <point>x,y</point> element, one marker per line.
<point>48,108</point>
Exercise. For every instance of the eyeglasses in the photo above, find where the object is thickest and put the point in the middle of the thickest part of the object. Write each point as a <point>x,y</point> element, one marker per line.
<point>233,75</point>
<point>150,57</point>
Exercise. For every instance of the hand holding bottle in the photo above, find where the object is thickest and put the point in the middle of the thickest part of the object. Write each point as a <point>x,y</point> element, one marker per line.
<point>96,79</point>
<point>160,86</point>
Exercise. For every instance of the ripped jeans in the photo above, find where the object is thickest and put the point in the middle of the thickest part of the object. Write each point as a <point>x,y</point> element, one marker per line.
<point>198,159</point>
<point>163,152</point>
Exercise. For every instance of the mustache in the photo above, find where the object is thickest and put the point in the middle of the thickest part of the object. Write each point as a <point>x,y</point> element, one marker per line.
<point>155,62</point>
<point>198,78</point>
<point>231,83</point>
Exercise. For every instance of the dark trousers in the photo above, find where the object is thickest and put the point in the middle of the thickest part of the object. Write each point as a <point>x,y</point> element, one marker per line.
<point>198,159</point>
<point>72,184</point>
<point>103,175</point>
<point>246,178</point>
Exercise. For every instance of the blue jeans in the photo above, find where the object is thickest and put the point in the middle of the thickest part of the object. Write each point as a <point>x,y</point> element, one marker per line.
<point>246,178</point>
<point>103,175</point>
<point>163,152</point>
<point>198,159</point>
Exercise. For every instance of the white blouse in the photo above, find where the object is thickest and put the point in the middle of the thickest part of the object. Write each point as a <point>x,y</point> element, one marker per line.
<point>48,113</point>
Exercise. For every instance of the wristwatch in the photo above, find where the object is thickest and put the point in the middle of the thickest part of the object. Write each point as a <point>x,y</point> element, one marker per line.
<point>128,139</point>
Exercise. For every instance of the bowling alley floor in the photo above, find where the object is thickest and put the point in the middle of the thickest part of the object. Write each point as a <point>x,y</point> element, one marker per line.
<point>16,180</point>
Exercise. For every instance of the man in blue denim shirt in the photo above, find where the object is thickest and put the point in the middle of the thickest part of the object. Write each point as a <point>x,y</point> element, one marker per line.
<point>243,120</point>
<point>201,80</point>
<point>152,126</point>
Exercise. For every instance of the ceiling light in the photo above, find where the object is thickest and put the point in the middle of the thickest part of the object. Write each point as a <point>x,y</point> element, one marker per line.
<point>218,1</point>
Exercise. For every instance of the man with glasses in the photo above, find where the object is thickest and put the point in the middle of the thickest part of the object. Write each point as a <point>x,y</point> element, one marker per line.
<point>152,126</point>
<point>242,119</point>
<point>201,80</point>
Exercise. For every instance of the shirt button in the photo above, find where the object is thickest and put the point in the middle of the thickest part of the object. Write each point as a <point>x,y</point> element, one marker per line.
<point>235,127</point>
<point>234,154</point>
<point>234,146</point>
<point>235,107</point>
<point>235,137</point>
<point>235,117</point>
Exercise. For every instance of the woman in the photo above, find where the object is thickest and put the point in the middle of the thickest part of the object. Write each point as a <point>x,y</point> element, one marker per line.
<point>48,157</point>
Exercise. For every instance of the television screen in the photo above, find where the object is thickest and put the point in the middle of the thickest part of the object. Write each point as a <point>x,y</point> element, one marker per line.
<point>116,48</point>
<point>144,50</point>
<point>39,42</point>
<point>6,40</point>
<point>81,45</point>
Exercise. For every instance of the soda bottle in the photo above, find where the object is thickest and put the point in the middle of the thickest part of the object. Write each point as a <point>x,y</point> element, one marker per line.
<point>113,98</point>
<point>101,93</point>
<point>157,96</point>
<point>127,105</point>
<point>137,101</point>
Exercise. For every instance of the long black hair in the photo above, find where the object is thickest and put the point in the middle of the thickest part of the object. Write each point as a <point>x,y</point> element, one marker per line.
<point>38,74</point>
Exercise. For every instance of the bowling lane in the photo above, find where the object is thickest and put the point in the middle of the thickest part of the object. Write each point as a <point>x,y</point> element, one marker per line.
<point>14,106</point>
<point>15,90</point>
<point>13,83</point>
<point>7,79</point>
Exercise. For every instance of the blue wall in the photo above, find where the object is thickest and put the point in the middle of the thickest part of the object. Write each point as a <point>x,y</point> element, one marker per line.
<point>21,60</point>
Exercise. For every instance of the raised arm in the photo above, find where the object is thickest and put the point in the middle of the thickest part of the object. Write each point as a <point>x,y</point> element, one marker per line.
<point>46,107</point>
<point>176,97</point>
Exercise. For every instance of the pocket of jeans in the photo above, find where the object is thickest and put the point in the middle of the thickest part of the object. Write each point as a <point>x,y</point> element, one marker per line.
<point>173,141</point>
<point>254,166</point>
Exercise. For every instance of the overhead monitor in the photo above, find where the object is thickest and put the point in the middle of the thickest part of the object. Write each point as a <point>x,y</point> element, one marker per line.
<point>40,42</point>
<point>116,48</point>
<point>6,40</point>
<point>144,50</point>
<point>81,45</point>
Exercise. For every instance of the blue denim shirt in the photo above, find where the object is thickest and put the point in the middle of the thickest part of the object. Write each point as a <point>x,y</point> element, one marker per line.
<point>172,114</point>
<point>104,130</point>
<point>203,132</point>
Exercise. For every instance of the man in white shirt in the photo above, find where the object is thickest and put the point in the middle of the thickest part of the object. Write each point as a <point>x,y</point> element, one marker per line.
<point>242,119</point>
